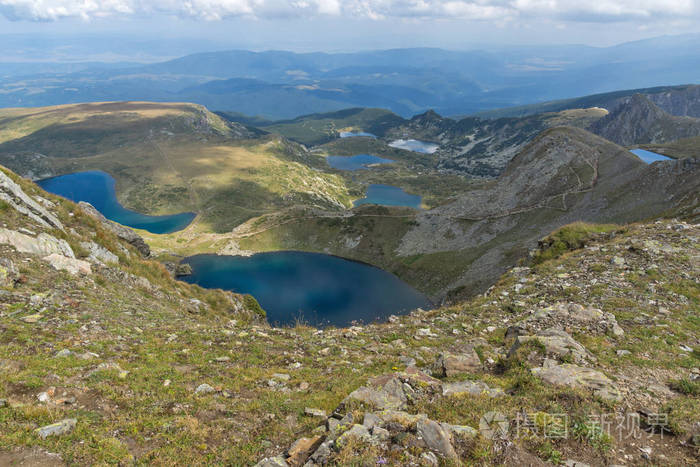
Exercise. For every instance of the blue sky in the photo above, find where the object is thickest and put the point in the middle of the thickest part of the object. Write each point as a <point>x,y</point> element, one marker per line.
<point>334,25</point>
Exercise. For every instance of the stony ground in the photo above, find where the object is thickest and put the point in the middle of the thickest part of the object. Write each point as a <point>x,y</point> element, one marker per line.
<point>588,358</point>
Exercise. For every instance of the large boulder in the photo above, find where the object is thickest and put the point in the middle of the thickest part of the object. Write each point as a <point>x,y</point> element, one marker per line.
<point>71,265</point>
<point>574,316</point>
<point>99,254</point>
<point>12,194</point>
<point>393,391</point>
<point>556,342</point>
<point>120,231</point>
<point>436,438</point>
<point>43,244</point>
<point>450,364</point>
<point>578,377</point>
<point>474,388</point>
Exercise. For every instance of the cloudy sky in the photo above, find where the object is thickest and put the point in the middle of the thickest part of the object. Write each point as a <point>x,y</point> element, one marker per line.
<point>359,24</point>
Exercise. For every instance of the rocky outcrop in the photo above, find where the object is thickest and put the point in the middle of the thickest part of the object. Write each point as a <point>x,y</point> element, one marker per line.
<point>12,193</point>
<point>450,364</point>
<point>42,245</point>
<point>99,254</point>
<point>392,391</point>
<point>122,232</point>
<point>573,316</point>
<point>578,377</point>
<point>556,342</point>
<point>71,265</point>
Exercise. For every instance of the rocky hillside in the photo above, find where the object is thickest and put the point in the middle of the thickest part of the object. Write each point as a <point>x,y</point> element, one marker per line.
<point>484,147</point>
<point>586,356</point>
<point>638,120</point>
<point>564,175</point>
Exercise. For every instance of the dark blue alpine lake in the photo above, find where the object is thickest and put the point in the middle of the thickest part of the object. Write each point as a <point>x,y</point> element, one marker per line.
<point>97,188</point>
<point>318,289</point>
<point>648,156</point>
<point>360,161</point>
<point>388,195</point>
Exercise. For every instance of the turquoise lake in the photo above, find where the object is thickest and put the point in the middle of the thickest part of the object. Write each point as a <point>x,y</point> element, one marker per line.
<point>415,145</point>
<point>316,288</point>
<point>360,161</point>
<point>648,156</point>
<point>97,188</point>
<point>388,195</point>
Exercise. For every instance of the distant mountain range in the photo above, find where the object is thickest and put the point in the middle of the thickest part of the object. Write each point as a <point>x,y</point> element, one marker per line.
<point>276,84</point>
<point>483,146</point>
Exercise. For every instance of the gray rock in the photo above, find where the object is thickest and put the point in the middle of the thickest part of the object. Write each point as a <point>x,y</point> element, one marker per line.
<point>622,352</point>
<point>204,389</point>
<point>12,193</point>
<point>383,394</point>
<point>120,231</point>
<point>371,420</point>
<point>449,364</point>
<point>322,453</point>
<point>99,254</point>
<point>314,412</point>
<point>436,438</point>
<point>579,377</point>
<point>42,245</point>
<point>556,342</point>
<point>57,429</point>
<point>70,265</point>
<point>64,353</point>
<point>617,261</point>
<point>277,461</point>
<point>379,435</point>
<point>358,432</point>
<point>3,403</point>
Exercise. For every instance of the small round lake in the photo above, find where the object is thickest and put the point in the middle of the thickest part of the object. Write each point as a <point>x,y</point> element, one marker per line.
<point>97,188</point>
<point>320,289</point>
<point>648,156</point>
<point>350,134</point>
<point>360,161</point>
<point>415,146</point>
<point>388,195</point>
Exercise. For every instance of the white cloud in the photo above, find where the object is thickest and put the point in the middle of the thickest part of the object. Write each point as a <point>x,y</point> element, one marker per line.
<point>496,10</point>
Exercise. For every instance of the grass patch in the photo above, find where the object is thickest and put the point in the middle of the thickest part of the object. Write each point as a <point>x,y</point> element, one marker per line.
<point>570,237</point>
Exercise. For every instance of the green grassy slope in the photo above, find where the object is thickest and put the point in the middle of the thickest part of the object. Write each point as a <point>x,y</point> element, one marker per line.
<point>124,358</point>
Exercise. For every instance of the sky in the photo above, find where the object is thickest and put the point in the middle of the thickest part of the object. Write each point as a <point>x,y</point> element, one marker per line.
<point>336,25</point>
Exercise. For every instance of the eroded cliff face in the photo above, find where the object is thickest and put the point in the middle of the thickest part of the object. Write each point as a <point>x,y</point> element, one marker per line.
<point>638,120</point>
<point>684,102</point>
